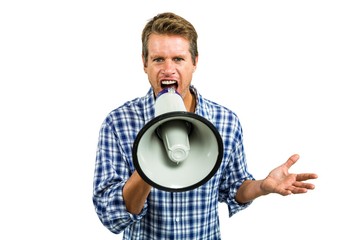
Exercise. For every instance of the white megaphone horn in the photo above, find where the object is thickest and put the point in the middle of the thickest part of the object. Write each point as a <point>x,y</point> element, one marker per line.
<point>177,150</point>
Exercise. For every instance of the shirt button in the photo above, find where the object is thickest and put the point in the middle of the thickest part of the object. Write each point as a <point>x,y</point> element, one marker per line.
<point>177,219</point>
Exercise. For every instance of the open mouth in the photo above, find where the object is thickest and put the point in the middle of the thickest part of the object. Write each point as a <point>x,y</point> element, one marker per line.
<point>169,84</point>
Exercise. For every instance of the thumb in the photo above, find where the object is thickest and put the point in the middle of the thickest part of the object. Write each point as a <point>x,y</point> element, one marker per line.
<point>292,160</point>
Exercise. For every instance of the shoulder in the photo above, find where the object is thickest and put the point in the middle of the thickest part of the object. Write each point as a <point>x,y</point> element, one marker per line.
<point>219,112</point>
<point>132,110</point>
<point>224,119</point>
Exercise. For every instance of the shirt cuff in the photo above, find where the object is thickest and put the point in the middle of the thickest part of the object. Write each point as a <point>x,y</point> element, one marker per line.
<point>138,217</point>
<point>233,205</point>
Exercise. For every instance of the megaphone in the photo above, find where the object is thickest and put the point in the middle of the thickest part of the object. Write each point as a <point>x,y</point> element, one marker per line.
<point>177,150</point>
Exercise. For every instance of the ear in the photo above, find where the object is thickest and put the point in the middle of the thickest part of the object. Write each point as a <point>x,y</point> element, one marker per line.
<point>196,62</point>
<point>144,63</point>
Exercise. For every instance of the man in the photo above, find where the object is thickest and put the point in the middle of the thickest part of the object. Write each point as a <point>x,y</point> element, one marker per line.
<point>125,203</point>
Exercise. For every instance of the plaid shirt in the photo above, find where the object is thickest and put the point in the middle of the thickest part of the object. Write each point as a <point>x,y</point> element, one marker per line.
<point>166,215</point>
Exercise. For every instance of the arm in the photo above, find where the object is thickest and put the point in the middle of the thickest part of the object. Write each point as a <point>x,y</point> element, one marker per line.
<point>278,181</point>
<point>112,173</point>
<point>135,193</point>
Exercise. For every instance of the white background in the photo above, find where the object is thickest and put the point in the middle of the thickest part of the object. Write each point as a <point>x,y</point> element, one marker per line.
<point>289,69</point>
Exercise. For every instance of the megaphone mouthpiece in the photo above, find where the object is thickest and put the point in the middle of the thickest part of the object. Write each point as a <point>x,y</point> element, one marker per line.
<point>168,100</point>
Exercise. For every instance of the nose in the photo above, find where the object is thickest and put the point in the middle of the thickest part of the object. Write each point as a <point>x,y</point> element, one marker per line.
<point>168,67</point>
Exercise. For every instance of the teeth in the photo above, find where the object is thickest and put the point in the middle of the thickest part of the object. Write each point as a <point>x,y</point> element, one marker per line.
<point>168,82</point>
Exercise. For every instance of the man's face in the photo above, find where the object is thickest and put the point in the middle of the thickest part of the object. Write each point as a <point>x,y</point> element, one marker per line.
<point>169,64</point>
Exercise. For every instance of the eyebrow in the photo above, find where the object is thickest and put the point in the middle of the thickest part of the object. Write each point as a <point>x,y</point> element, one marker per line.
<point>161,56</point>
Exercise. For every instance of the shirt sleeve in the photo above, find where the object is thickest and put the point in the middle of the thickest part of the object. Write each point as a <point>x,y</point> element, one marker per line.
<point>111,172</point>
<point>235,173</point>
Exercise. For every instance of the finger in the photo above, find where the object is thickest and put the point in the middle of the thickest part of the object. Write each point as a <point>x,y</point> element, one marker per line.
<point>306,176</point>
<point>292,160</point>
<point>304,185</point>
<point>284,192</point>
<point>295,190</point>
<point>299,190</point>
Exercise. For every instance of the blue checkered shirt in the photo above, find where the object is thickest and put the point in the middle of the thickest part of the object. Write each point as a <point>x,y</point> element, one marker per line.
<point>166,215</point>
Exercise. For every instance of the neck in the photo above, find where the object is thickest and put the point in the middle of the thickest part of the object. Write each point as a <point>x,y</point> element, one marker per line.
<point>190,102</point>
